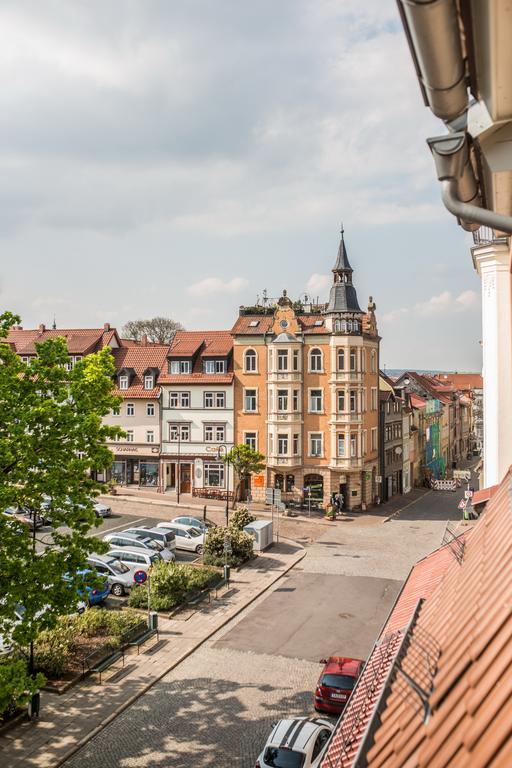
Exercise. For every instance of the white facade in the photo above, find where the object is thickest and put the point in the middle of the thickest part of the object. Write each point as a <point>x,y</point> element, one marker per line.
<point>197,420</point>
<point>492,262</point>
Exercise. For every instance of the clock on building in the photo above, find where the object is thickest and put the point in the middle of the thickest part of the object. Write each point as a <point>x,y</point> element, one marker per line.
<point>284,323</point>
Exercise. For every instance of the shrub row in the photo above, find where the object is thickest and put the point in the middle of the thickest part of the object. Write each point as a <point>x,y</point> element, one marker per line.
<point>170,582</point>
<point>241,542</point>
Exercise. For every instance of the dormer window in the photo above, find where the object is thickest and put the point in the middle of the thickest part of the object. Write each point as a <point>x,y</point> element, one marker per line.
<point>123,381</point>
<point>148,381</point>
<point>179,366</point>
<point>214,366</point>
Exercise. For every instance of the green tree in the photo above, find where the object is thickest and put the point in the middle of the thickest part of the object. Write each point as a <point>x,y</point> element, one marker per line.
<point>156,329</point>
<point>52,438</point>
<point>244,461</point>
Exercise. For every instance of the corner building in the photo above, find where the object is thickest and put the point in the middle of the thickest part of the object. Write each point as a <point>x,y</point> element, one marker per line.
<point>306,393</point>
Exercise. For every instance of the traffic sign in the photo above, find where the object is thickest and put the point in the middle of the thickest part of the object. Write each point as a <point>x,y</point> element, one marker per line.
<point>227,545</point>
<point>140,577</point>
<point>468,494</point>
<point>269,495</point>
<point>277,495</point>
<point>462,504</point>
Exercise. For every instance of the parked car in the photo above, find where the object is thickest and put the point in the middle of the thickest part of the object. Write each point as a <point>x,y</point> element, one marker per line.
<point>135,558</point>
<point>165,538</point>
<point>118,575</point>
<point>124,539</point>
<point>297,743</point>
<point>92,595</point>
<point>25,516</point>
<point>336,683</point>
<point>101,510</point>
<point>187,537</point>
<point>195,522</point>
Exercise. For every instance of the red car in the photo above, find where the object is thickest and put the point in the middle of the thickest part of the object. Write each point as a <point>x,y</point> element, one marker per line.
<point>336,682</point>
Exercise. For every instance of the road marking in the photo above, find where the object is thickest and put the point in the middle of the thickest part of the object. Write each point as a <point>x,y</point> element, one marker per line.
<point>398,511</point>
<point>116,527</point>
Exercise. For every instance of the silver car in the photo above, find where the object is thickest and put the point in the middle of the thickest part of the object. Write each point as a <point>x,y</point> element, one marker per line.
<point>118,575</point>
<point>138,559</point>
<point>123,539</point>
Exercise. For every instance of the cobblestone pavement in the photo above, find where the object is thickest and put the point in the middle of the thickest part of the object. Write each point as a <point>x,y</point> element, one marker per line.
<point>217,707</point>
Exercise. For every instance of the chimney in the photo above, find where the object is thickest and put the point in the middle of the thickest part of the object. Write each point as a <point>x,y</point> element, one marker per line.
<point>42,328</point>
<point>144,340</point>
<point>106,327</point>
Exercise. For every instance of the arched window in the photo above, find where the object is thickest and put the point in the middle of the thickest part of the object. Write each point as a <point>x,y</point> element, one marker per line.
<point>315,360</point>
<point>337,326</point>
<point>343,326</point>
<point>250,361</point>
<point>373,361</point>
<point>349,325</point>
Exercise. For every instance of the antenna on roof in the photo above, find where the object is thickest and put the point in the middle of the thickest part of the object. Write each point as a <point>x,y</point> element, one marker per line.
<point>265,297</point>
<point>54,324</point>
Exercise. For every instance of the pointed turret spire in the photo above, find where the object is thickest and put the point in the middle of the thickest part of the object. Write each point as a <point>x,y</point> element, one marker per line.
<point>343,296</point>
<point>342,262</point>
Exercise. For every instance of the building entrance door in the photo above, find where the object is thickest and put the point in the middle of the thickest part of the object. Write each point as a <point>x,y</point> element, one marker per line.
<point>185,478</point>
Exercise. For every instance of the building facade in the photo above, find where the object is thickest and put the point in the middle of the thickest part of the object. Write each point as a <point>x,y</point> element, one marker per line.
<point>196,380</point>
<point>306,393</point>
<point>391,441</point>
<point>137,455</point>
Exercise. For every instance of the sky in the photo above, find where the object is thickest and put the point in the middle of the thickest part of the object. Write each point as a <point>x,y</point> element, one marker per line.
<point>179,158</point>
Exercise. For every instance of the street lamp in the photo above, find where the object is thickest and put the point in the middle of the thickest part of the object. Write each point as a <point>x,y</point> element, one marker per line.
<point>222,451</point>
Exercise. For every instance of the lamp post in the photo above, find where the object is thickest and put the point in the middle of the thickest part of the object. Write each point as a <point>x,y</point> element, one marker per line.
<point>222,451</point>
<point>178,467</point>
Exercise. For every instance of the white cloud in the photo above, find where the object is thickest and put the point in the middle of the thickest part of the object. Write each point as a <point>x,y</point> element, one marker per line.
<point>318,285</point>
<point>435,305</point>
<point>394,315</point>
<point>468,300</point>
<point>214,285</point>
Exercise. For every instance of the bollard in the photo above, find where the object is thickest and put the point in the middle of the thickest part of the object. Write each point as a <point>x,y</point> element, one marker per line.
<point>227,572</point>
<point>153,620</point>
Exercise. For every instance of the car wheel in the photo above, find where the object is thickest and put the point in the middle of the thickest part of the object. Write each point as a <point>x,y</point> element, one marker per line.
<point>117,590</point>
<point>199,549</point>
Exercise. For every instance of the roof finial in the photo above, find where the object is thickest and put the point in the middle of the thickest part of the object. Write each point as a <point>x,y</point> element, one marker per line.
<point>342,230</point>
<point>54,324</point>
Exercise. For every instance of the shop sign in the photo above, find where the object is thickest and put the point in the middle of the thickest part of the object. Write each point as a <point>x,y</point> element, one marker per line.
<point>258,481</point>
<point>135,450</point>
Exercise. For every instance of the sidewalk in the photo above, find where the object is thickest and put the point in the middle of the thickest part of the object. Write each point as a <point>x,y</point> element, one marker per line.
<point>67,722</point>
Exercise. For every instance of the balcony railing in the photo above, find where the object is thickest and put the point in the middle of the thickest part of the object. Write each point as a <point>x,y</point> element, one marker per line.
<point>346,463</point>
<point>487,236</point>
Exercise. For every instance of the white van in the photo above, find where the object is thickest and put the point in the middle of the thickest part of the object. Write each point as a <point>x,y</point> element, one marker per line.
<point>166,538</point>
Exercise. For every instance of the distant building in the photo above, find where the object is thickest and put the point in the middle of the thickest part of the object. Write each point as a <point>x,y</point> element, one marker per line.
<point>306,393</point>
<point>391,440</point>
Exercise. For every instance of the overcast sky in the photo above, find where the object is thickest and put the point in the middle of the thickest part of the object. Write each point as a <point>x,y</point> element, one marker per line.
<point>177,157</point>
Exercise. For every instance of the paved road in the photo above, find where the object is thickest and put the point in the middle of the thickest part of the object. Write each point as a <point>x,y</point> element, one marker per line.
<point>217,707</point>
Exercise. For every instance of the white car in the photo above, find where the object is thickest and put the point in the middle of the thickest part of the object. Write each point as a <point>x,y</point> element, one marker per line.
<point>123,539</point>
<point>135,558</point>
<point>186,537</point>
<point>297,743</point>
<point>101,510</point>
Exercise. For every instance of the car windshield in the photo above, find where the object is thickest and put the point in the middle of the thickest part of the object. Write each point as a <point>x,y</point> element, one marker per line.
<point>193,532</point>
<point>338,681</point>
<point>277,757</point>
<point>155,558</point>
<point>119,567</point>
<point>152,544</point>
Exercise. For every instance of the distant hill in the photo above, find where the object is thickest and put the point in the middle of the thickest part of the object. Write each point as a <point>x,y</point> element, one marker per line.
<point>396,372</point>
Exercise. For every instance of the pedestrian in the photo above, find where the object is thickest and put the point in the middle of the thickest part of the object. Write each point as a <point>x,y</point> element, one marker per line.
<point>339,501</point>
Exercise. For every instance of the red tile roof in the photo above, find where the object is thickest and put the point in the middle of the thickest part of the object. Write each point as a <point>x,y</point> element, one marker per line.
<point>484,494</point>
<point>242,326</point>
<point>463,380</point>
<point>140,359</point>
<point>200,345</point>
<point>417,401</point>
<point>80,341</point>
<point>423,579</point>
<point>468,620</point>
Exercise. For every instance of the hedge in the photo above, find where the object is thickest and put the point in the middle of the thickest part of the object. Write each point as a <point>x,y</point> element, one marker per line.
<point>170,582</point>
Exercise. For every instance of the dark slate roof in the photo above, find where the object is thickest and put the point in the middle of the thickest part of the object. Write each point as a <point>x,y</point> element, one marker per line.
<point>343,298</point>
<point>342,262</point>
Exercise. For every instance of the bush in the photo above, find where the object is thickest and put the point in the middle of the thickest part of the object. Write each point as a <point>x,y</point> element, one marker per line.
<point>16,685</point>
<point>241,546</point>
<point>240,518</point>
<point>53,648</point>
<point>169,584</point>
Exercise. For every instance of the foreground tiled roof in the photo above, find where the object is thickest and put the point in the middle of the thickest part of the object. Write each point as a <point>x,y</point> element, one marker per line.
<point>468,619</point>
<point>484,494</point>
<point>140,359</point>
<point>352,725</point>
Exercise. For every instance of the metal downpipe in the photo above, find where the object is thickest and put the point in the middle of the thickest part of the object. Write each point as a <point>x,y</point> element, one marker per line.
<point>468,212</point>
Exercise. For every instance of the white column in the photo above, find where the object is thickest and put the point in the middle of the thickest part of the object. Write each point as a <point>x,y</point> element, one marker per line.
<point>493,265</point>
